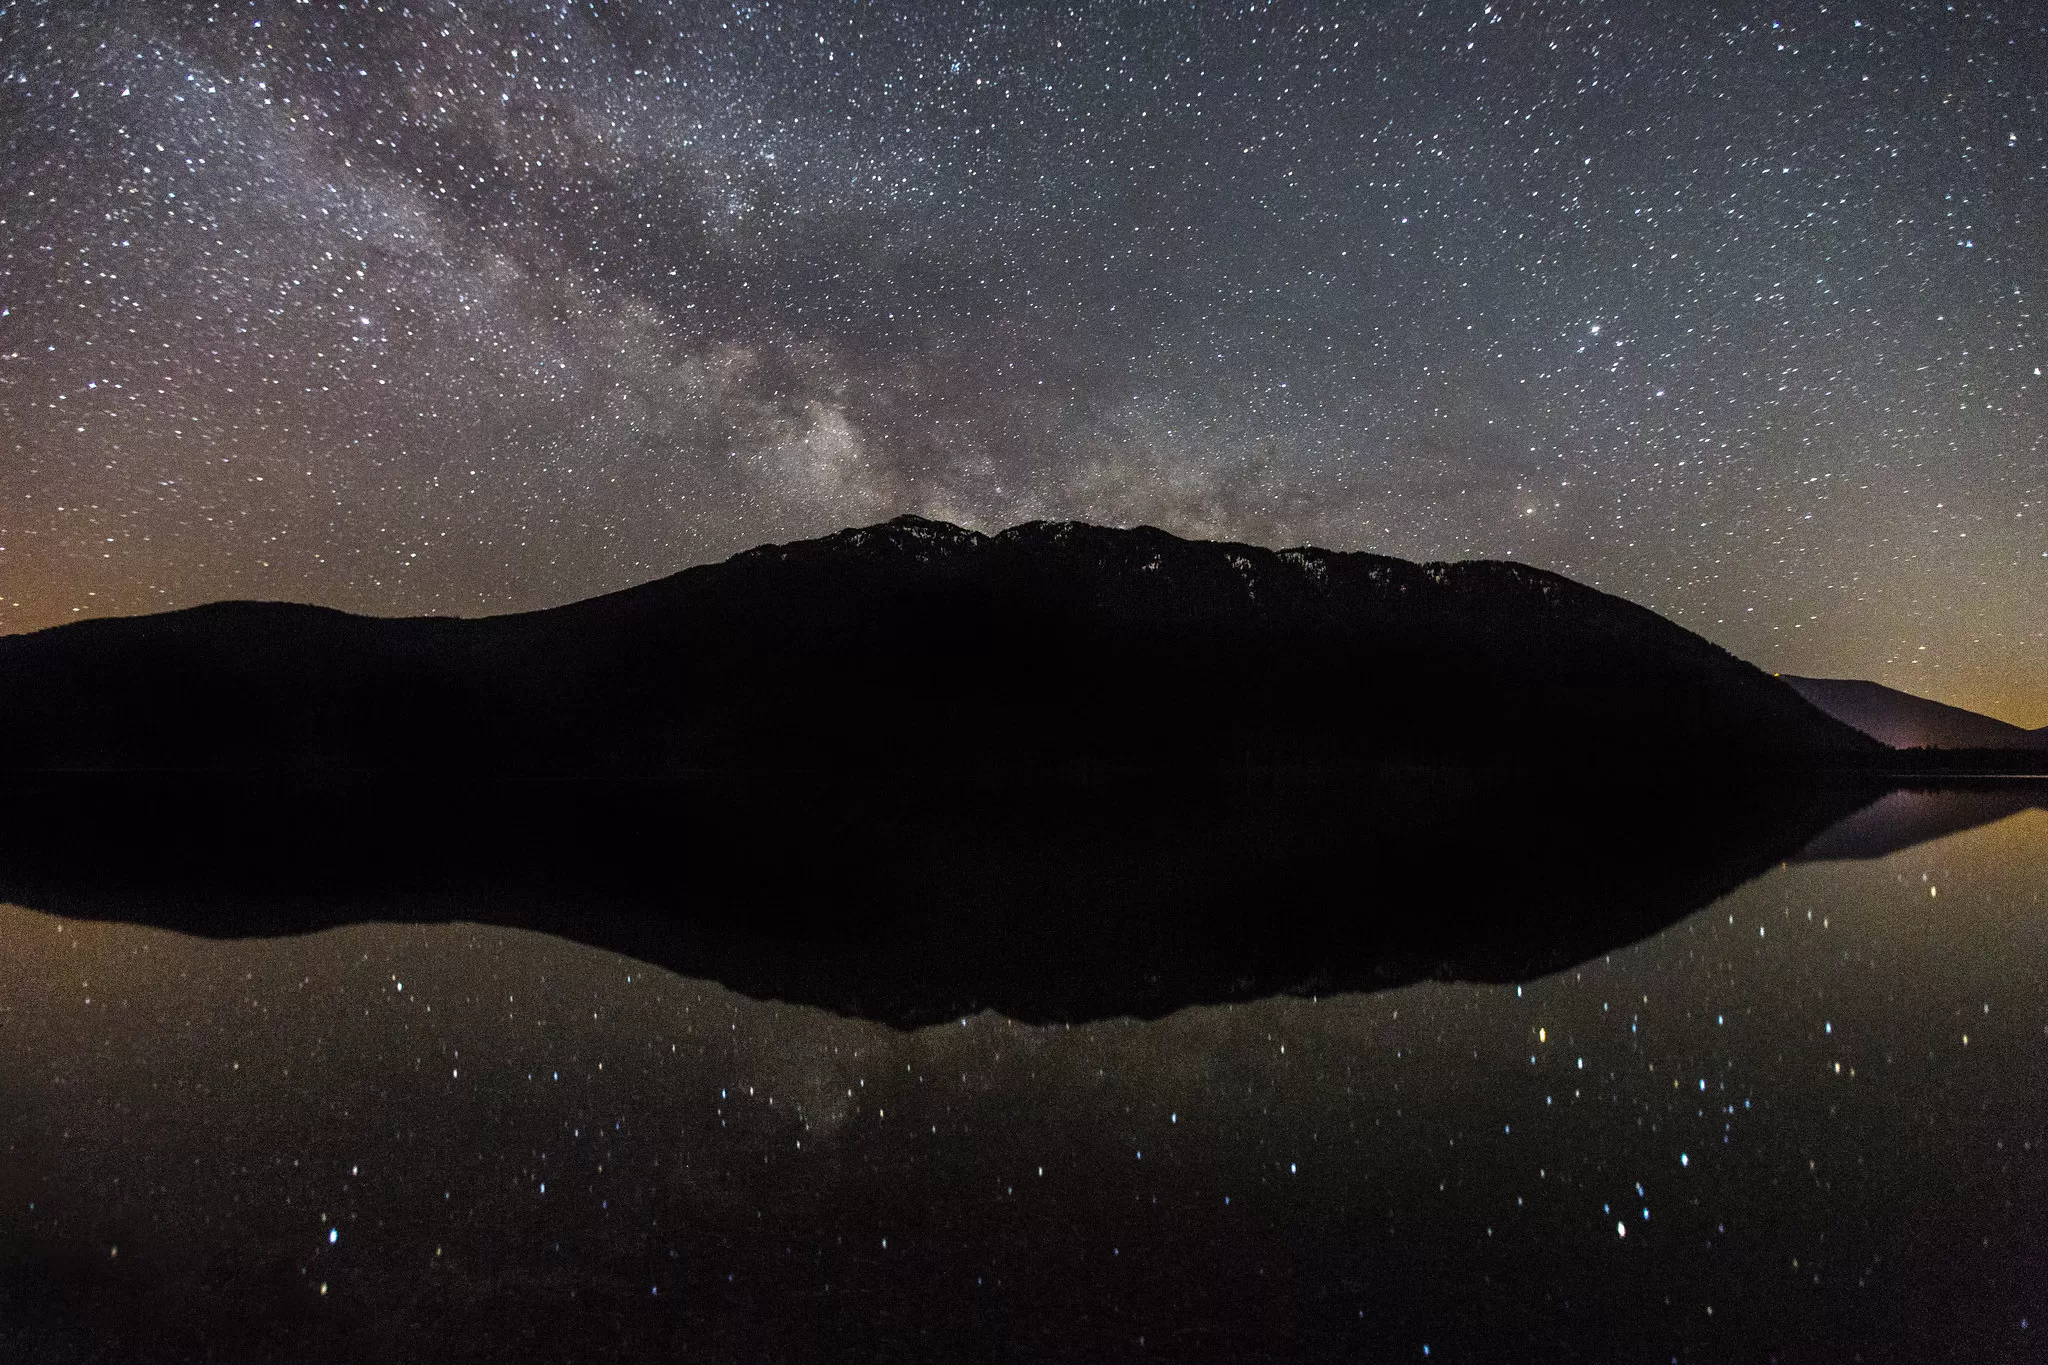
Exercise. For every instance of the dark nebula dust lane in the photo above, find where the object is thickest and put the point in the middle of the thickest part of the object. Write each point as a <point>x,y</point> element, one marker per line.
<point>466,308</point>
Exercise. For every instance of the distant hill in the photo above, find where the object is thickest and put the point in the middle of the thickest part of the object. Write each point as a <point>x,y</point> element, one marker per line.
<point>916,644</point>
<point>1905,721</point>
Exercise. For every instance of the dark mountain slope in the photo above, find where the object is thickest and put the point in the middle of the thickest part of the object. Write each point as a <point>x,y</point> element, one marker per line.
<point>917,644</point>
<point>1905,721</point>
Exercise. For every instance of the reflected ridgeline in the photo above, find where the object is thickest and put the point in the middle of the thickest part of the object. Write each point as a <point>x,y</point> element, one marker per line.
<point>914,902</point>
<point>1915,815</point>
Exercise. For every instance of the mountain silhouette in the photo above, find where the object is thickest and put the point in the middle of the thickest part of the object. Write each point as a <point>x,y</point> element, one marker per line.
<point>1053,646</point>
<point>1905,721</point>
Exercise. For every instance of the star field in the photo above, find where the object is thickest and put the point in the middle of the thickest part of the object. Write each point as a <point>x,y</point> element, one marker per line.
<point>471,308</point>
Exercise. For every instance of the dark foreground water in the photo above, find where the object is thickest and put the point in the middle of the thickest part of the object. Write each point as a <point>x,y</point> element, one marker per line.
<point>1805,1123</point>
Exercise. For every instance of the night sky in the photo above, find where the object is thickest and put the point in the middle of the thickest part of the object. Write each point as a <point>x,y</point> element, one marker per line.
<point>470,308</point>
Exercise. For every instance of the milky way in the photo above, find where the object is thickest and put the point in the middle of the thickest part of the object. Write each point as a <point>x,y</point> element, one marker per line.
<point>470,308</point>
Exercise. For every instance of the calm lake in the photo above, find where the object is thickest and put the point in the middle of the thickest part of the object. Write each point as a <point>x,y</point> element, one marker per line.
<point>1804,1123</point>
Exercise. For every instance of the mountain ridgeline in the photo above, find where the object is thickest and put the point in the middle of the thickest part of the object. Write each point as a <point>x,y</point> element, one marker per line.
<point>1904,721</point>
<point>916,644</point>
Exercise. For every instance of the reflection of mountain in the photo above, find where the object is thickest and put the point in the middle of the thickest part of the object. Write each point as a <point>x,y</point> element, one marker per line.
<point>918,902</point>
<point>1898,820</point>
<point>920,645</point>
<point>1905,721</point>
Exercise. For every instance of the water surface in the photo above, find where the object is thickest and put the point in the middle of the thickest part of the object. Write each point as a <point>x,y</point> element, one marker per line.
<point>1803,1123</point>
